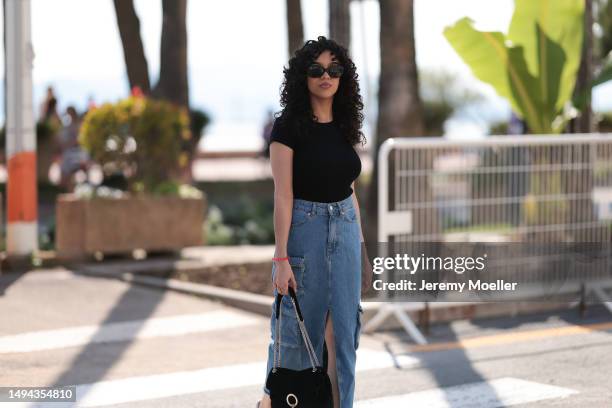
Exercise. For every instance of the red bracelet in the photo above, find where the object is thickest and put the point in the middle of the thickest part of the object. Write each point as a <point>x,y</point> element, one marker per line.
<point>281,259</point>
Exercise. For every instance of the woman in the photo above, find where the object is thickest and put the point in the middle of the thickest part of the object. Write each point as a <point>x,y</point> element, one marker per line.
<point>316,213</point>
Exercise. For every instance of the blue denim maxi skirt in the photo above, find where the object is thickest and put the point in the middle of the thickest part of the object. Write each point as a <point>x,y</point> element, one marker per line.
<point>324,250</point>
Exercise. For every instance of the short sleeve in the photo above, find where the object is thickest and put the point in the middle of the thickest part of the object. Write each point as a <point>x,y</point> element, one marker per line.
<point>282,135</point>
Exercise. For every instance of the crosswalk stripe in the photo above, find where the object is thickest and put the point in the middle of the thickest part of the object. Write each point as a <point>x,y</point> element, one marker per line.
<point>204,380</point>
<point>368,359</point>
<point>122,331</point>
<point>502,392</point>
<point>168,385</point>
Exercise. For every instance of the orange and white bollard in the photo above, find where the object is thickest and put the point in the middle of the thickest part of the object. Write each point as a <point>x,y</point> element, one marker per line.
<point>22,218</point>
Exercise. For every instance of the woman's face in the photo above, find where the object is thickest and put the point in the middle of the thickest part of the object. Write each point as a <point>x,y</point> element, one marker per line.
<point>325,86</point>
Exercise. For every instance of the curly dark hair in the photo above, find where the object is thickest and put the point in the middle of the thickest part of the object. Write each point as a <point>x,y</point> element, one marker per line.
<point>296,113</point>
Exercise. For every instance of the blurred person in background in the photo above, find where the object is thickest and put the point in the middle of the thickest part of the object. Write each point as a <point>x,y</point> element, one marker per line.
<point>265,134</point>
<point>73,157</point>
<point>48,127</point>
<point>48,107</point>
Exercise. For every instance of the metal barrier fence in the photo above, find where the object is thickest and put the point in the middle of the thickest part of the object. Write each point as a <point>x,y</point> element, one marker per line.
<point>540,189</point>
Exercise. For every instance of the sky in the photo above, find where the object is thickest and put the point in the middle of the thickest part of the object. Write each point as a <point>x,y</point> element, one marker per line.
<point>236,49</point>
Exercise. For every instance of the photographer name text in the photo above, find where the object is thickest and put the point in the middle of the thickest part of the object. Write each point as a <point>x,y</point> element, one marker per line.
<point>408,285</point>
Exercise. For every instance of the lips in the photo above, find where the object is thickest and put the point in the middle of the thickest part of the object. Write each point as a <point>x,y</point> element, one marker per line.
<point>325,85</point>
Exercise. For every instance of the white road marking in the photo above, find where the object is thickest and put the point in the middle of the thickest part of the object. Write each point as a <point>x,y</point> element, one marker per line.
<point>208,379</point>
<point>122,331</point>
<point>496,393</point>
<point>368,359</point>
<point>502,392</point>
<point>168,385</point>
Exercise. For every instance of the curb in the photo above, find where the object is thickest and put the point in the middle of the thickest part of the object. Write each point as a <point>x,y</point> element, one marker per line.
<point>262,304</point>
<point>252,302</point>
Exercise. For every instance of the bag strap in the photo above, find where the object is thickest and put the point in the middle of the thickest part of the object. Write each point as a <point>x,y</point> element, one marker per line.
<point>296,306</point>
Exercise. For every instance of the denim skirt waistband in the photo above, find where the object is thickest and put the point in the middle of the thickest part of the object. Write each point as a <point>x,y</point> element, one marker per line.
<point>323,208</point>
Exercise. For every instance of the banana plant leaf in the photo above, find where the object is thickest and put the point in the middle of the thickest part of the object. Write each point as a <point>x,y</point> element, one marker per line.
<point>536,22</point>
<point>535,66</point>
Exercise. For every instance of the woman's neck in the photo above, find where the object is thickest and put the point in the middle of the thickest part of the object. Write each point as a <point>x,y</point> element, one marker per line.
<point>322,108</point>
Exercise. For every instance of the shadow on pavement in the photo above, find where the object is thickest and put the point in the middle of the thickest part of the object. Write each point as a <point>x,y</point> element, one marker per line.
<point>454,368</point>
<point>93,361</point>
<point>8,279</point>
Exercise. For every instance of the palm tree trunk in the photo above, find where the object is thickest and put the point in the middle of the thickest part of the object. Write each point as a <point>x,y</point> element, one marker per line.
<point>295,27</point>
<point>133,51</point>
<point>340,22</point>
<point>584,123</point>
<point>173,83</point>
<point>400,112</point>
<point>580,182</point>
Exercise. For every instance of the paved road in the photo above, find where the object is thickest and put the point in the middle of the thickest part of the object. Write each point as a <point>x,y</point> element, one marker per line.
<point>128,345</point>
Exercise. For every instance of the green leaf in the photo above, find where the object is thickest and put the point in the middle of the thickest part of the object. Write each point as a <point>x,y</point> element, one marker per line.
<point>536,65</point>
<point>502,67</point>
<point>553,61</point>
<point>560,22</point>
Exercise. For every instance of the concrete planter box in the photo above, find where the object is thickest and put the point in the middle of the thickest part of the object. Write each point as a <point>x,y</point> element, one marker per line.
<point>112,226</point>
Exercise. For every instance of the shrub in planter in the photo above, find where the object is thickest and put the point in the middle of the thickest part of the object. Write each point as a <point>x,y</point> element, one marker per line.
<point>139,137</point>
<point>143,139</point>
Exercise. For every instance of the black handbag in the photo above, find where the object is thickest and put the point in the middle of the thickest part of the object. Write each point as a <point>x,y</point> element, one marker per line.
<point>307,388</point>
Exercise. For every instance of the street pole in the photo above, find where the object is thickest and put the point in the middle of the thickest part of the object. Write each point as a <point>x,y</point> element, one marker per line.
<point>22,217</point>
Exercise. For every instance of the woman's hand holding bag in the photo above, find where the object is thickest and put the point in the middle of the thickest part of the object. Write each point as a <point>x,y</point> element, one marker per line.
<point>307,388</point>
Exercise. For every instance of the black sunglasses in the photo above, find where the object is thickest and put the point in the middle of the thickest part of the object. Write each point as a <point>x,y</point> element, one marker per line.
<point>316,70</point>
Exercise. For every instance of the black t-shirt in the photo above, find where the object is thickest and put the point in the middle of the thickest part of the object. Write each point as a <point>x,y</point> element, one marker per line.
<point>324,162</point>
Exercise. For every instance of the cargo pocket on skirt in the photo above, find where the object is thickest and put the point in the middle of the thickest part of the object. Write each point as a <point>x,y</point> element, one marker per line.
<point>289,328</point>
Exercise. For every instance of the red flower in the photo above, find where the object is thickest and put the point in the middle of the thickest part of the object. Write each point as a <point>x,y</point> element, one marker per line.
<point>137,92</point>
